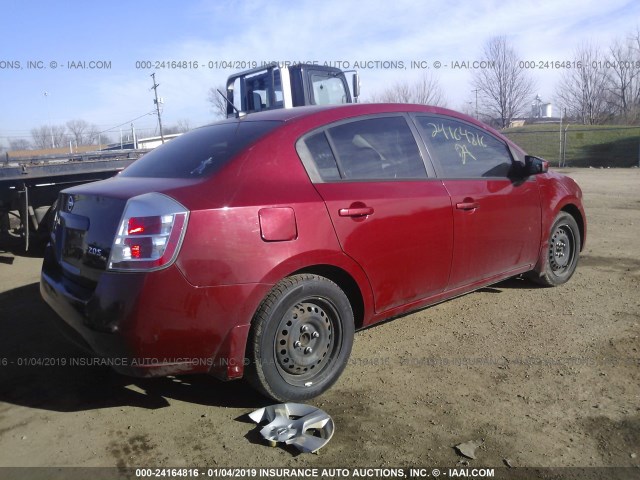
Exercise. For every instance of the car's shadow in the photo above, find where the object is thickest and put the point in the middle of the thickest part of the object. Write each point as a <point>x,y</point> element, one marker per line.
<point>35,370</point>
<point>509,284</point>
<point>16,247</point>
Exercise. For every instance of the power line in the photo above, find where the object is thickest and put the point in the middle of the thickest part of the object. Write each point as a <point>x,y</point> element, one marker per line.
<point>128,121</point>
<point>101,131</point>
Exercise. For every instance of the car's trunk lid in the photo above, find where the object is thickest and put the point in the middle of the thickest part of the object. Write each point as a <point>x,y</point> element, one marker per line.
<point>87,221</point>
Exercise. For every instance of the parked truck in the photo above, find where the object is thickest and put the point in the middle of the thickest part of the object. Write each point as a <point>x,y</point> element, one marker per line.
<point>285,86</point>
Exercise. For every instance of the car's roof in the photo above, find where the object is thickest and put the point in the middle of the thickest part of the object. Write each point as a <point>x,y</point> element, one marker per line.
<point>286,114</point>
<point>335,112</point>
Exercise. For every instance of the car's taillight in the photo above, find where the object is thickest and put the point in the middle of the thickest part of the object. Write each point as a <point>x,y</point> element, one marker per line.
<point>150,233</point>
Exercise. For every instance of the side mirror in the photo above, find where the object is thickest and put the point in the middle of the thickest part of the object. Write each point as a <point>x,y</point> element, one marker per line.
<point>534,165</point>
<point>355,87</point>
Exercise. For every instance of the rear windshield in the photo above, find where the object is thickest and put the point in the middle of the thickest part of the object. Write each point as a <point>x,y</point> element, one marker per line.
<point>201,152</point>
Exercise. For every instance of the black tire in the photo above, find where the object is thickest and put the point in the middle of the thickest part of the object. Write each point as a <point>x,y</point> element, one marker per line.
<point>563,252</point>
<point>300,339</point>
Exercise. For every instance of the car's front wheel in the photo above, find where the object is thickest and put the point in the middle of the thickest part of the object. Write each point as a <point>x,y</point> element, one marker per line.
<point>562,254</point>
<point>301,338</point>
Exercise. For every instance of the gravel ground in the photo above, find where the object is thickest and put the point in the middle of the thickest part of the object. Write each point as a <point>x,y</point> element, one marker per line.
<point>542,377</point>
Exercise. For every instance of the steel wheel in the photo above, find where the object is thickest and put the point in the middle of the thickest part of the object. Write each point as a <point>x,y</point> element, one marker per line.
<point>308,336</point>
<point>301,338</point>
<point>562,255</point>
<point>562,249</point>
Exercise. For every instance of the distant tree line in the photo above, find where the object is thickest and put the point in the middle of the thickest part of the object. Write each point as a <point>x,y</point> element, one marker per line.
<point>74,132</point>
<point>606,86</point>
<point>597,86</point>
<point>182,126</point>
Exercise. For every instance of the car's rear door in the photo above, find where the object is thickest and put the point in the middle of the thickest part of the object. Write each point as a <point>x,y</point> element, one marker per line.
<point>390,216</point>
<point>497,217</point>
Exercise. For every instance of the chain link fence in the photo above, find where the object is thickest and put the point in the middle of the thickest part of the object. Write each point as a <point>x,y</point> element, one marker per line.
<point>572,145</point>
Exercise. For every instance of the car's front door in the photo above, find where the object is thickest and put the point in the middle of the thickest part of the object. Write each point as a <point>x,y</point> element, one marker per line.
<point>497,218</point>
<point>389,215</point>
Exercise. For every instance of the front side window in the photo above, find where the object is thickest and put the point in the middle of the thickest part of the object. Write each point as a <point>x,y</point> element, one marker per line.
<point>371,149</point>
<point>464,151</point>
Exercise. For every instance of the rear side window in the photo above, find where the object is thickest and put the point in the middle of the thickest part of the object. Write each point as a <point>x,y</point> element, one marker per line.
<point>201,152</point>
<point>323,158</point>
<point>464,151</point>
<point>372,149</point>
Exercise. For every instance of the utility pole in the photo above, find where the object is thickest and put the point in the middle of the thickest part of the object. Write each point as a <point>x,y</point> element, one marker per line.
<point>155,90</point>
<point>133,135</point>
<point>476,90</point>
<point>564,146</point>
<point>53,143</point>
<point>560,153</point>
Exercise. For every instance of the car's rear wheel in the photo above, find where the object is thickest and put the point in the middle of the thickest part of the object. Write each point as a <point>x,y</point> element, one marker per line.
<point>562,254</point>
<point>301,338</point>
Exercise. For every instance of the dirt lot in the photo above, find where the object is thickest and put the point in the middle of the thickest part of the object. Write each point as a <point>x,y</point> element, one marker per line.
<point>545,377</point>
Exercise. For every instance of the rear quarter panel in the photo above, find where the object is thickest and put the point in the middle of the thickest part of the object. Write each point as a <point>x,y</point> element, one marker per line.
<point>223,244</point>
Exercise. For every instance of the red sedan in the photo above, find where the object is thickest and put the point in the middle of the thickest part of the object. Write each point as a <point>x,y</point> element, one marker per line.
<point>256,246</point>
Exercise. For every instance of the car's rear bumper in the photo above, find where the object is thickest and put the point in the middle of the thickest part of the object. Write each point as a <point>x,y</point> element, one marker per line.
<point>156,324</point>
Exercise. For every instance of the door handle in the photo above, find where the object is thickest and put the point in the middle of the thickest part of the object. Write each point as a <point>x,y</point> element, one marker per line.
<point>467,205</point>
<point>355,212</point>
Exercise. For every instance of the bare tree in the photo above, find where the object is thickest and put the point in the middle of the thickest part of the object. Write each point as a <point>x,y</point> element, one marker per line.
<point>82,132</point>
<point>44,135</point>
<point>582,91</point>
<point>503,87</point>
<point>622,79</point>
<point>103,139</point>
<point>41,137</point>
<point>467,108</point>
<point>425,91</point>
<point>635,46</point>
<point>170,130</point>
<point>218,104</point>
<point>19,144</point>
<point>60,136</point>
<point>183,125</point>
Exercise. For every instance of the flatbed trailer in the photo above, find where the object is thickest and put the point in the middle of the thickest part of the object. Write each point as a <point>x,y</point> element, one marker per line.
<point>29,188</point>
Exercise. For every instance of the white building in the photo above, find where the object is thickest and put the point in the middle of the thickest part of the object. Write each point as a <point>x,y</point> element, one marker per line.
<point>153,142</point>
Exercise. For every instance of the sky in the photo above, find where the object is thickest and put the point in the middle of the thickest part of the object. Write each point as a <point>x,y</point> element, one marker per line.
<point>45,44</point>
